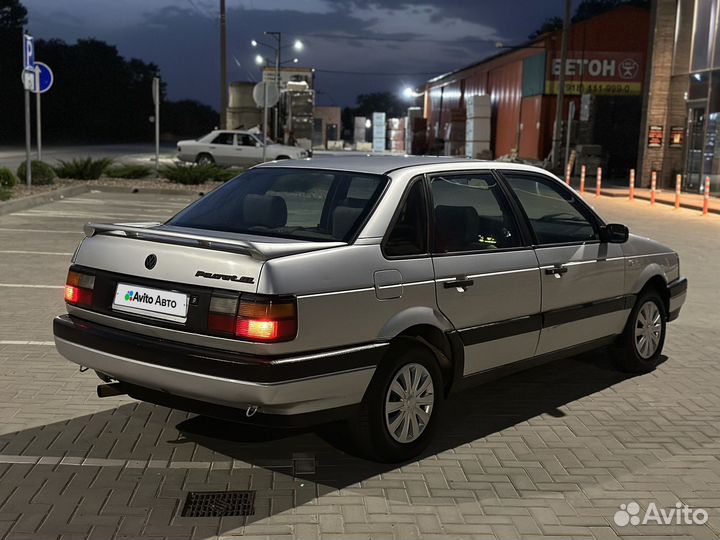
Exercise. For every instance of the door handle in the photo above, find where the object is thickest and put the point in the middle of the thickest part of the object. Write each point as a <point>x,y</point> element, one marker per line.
<point>555,270</point>
<point>459,283</point>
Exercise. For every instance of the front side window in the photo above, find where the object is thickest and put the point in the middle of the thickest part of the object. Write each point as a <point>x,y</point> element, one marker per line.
<point>224,138</point>
<point>245,139</point>
<point>556,217</point>
<point>471,214</point>
<point>408,234</point>
<point>303,204</point>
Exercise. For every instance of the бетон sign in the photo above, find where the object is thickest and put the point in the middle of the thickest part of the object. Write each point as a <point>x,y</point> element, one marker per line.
<point>600,73</point>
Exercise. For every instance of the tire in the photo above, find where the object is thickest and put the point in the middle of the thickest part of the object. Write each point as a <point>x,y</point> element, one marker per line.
<point>282,157</point>
<point>639,348</point>
<point>204,159</point>
<point>382,435</point>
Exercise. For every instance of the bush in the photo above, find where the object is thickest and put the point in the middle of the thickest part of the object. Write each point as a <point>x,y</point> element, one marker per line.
<point>135,170</point>
<point>181,173</point>
<point>83,168</point>
<point>4,194</point>
<point>42,173</point>
<point>7,178</point>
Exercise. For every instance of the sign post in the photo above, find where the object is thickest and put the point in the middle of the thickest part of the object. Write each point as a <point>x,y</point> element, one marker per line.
<point>29,83</point>
<point>43,80</point>
<point>265,95</point>
<point>156,101</point>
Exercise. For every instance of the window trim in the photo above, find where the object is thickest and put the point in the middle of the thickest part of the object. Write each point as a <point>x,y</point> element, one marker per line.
<point>396,216</point>
<point>520,225</point>
<point>578,203</point>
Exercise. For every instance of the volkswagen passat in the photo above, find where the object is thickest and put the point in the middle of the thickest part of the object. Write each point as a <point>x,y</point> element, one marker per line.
<point>368,288</point>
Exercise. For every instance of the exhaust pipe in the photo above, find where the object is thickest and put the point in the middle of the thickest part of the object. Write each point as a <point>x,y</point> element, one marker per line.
<point>110,390</point>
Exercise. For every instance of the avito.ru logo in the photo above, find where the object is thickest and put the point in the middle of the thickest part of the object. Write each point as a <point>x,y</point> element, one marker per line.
<point>681,514</point>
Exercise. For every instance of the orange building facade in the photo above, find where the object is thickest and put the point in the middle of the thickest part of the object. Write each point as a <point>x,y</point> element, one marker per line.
<point>605,78</point>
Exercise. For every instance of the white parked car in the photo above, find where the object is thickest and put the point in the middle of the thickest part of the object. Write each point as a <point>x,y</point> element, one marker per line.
<point>232,147</point>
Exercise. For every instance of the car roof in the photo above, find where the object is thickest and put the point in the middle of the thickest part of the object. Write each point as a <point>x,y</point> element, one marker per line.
<point>383,164</point>
<point>366,163</point>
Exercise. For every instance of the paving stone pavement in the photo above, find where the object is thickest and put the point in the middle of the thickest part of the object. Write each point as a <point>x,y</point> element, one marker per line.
<point>550,452</point>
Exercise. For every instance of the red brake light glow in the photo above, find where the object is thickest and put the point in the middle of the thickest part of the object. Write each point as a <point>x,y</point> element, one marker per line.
<point>79,288</point>
<point>260,330</point>
<point>253,317</point>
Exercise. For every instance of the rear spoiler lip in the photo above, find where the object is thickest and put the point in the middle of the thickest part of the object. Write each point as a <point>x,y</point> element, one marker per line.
<point>145,231</point>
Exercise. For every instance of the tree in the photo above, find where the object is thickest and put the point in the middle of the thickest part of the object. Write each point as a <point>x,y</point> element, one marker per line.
<point>13,15</point>
<point>549,25</point>
<point>187,118</point>
<point>97,95</point>
<point>386,102</point>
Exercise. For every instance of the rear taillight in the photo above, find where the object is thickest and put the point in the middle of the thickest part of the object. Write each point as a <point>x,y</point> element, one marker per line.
<point>79,288</point>
<point>253,317</point>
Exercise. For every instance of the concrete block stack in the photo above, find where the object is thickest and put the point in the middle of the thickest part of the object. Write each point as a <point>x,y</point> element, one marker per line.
<point>301,107</point>
<point>359,130</point>
<point>477,126</point>
<point>396,134</point>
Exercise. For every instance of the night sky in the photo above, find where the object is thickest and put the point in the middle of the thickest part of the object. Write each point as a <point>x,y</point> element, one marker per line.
<point>411,41</point>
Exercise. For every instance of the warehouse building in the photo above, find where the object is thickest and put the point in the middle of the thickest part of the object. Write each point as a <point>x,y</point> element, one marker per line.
<point>605,79</point>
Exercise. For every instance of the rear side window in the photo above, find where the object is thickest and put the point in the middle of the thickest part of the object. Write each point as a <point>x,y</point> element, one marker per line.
<point>471,214</point>
<point>408,234</point>
<point>224,138</point>
<point>303,204</point>
<point>555,215</point>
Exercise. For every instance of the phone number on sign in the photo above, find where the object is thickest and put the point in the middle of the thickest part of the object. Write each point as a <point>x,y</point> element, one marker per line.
<point>603,88</point>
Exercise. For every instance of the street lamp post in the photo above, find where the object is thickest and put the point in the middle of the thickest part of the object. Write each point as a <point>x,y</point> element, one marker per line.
<point>277,49</point>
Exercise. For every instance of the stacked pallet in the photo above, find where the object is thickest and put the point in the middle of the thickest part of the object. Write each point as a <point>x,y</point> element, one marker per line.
<point>477,126</point>
<point>396,134</point>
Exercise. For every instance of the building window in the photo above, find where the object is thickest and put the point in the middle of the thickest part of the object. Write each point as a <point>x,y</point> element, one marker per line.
<point>705,27</point>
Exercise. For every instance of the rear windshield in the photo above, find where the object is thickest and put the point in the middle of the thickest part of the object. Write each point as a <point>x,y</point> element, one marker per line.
<point>304,204</point>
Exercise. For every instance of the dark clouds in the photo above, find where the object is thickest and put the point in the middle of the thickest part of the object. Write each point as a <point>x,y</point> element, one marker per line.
<point>428,37</point>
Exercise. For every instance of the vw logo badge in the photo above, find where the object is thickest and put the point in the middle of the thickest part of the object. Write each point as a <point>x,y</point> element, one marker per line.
<point>151,261</point>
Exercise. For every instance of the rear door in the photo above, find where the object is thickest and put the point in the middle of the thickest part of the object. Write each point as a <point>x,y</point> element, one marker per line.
<point>487,279</point>
<point>582,278</point>
<point>222,148</point>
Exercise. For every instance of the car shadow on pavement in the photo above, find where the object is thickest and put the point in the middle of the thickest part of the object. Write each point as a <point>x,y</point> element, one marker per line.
<point>150,457</point>
<point>467,417</point>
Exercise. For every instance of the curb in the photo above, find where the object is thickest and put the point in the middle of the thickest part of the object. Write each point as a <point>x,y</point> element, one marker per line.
<point>18,205</point>
<point>151,191</point>
<point>643,197</point>
<point>25,203</point>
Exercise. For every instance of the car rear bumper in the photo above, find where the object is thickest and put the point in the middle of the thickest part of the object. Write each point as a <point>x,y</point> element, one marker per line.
<point>678,293</point>
<point>275,385</point>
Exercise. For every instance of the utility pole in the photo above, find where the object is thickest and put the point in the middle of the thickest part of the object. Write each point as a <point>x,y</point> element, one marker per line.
<point>278,50</point>
<point>557,133</point>
<point>223,68</point>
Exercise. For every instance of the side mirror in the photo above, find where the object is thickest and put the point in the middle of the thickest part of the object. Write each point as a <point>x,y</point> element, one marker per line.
<point>614,233</point>
<point>258,144</point>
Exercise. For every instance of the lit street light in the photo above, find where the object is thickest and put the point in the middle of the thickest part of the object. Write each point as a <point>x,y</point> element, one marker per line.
<point>277,49</point>
<point>409,93</point>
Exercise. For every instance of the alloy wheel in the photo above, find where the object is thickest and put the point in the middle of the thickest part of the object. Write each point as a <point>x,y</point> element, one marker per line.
<point>409,403</point>
<point>648,329</point>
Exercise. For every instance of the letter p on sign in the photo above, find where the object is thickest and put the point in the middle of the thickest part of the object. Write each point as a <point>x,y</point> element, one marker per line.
<point>28,52</point>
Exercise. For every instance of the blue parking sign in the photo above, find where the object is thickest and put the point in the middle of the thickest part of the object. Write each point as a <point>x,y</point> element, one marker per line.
<point>28,52</point>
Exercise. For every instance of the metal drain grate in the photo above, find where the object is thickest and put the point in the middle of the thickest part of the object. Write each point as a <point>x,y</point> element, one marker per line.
<point>219,503</point>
